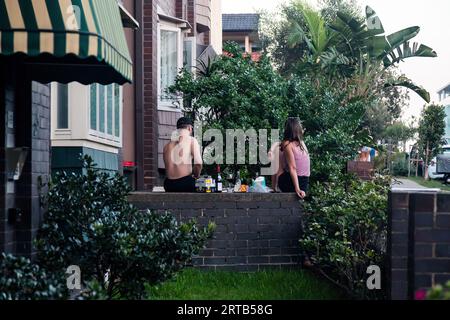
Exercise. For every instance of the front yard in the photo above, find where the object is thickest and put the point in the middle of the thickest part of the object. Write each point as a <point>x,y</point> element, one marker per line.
<point>193,284</point>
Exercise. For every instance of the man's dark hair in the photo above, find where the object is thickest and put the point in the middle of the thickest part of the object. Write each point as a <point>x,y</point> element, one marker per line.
<point>184,123</point>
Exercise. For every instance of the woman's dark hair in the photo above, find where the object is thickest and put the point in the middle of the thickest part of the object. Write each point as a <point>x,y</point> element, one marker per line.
<point>293,132</point>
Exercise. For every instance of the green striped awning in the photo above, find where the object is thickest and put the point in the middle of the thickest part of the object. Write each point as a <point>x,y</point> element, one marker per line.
<point>87,32</point>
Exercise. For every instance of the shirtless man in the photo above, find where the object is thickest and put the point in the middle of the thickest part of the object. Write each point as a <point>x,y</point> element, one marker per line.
<point>178,157</point>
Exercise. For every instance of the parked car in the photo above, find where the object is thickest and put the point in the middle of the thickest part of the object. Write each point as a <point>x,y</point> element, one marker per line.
<point>432,169</point>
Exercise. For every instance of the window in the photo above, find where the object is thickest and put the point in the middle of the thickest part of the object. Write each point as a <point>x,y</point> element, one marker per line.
<point>101,108</point>
<point>117,111</point>
<point>105,108</point>
<point>93,106</point>
<point>63,106</point>
<point>109,110</point>
<point>170,60</point>
<point>189,55</point>
<point>447,120</point>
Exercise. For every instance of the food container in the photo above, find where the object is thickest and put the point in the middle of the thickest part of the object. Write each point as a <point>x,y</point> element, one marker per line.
<point>205,184</point>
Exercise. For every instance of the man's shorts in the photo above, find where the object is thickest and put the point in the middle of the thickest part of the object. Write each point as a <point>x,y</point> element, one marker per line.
<point>186,184</point>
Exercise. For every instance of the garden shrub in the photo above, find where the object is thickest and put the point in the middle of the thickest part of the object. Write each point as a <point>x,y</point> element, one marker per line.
<point>400,164</point>
<point>89,223</point>
<point>20,279</point>
<point>345,227</point>
<point>235,92</point>
<point>438,292</point>
<point>333,128</point>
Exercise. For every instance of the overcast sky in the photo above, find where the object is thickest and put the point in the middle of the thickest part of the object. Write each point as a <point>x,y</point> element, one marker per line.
<point>431,16</point>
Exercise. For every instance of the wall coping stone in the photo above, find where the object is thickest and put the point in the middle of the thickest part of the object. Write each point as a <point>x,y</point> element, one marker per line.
<point>211,197</point>
<point>420,191</point>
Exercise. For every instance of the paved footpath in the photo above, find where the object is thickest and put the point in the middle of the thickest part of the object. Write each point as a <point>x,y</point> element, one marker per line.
<point>408,184</point>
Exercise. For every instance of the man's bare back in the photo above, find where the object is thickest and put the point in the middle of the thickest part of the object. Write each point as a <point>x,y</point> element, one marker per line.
<point>182,158</point>
<point>179,156</point>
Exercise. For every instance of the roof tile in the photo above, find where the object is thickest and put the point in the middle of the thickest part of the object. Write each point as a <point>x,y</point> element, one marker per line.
<point>240,22</point>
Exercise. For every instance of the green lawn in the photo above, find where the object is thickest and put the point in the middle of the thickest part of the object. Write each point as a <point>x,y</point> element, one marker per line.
<point>430,183</point>
<point>192,284</point>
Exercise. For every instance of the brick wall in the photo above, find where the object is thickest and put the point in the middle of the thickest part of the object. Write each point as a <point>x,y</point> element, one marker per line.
<point>419,242</point>
<point>254,231</point>
<point>181,9</point>
<point>191,16</point>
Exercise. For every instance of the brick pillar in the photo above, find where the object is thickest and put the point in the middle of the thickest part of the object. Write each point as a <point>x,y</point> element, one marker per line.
<point>398,248</point>
<point>418,242</point>
<point>191,17</point>
<point>147,138</point>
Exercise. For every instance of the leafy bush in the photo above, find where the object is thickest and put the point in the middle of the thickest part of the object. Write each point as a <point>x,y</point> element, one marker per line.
<point>333,127</point>
<point>345,231</point>
<point>235,92</point>
<point>20,279</point>
<point>438,292</point>
<point>400,164</point>
<point>89,223</point>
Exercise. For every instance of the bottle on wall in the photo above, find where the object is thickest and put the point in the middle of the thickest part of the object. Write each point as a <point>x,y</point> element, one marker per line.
<point>219,184</point>
<point>237,186</point>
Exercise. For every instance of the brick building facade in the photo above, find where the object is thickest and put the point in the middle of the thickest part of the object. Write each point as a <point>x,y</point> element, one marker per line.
<point>191,21</point>
<point>92,50</point>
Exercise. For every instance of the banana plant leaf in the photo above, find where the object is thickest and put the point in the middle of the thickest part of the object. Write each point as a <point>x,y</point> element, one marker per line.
<point>374,25</point>
<point>376,46</point>
<point>407,83</point>
<point>298,35</point>
<point>354,24</point>
<point>408,51</point>
<point>398,38</point>
<point>369,36</point>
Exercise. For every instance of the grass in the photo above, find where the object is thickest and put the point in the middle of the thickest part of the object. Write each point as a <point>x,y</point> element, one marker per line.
<point>192,284</point>
<point>430,183</point>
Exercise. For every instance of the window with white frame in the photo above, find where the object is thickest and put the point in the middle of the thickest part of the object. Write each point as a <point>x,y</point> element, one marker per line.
<point>63,106</point>
<point>105,108</point>
<point>170,61</point>
<point>189,53</point>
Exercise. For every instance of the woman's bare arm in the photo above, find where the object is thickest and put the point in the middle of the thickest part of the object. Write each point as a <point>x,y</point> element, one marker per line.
<point>292,167</point>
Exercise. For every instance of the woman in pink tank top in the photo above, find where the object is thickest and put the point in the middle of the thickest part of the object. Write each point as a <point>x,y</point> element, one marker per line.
<point>294,165</point>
